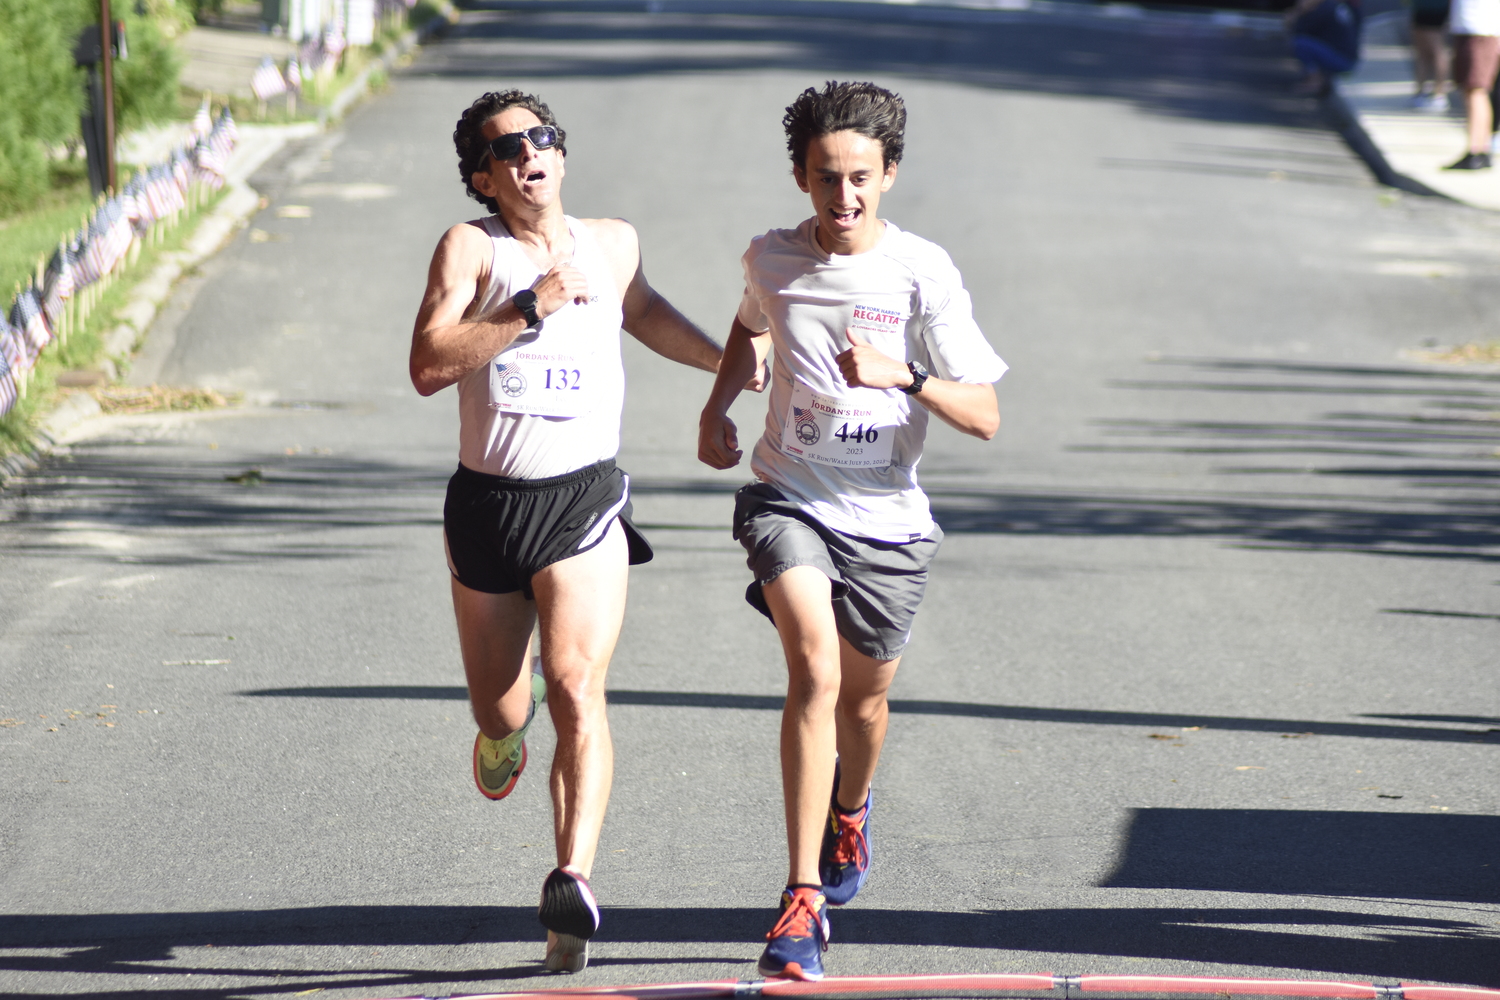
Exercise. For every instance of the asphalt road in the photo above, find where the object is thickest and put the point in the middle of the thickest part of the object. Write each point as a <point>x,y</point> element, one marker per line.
<point>1205,682</point>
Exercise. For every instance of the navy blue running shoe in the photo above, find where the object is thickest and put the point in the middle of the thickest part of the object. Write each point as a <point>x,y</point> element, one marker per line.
<point>795,946</point>
<point>844,861</point>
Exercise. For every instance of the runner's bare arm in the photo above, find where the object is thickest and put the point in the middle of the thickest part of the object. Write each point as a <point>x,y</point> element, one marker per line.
<point>718,443</point>
<point>969,407</point>
<point>448,340</point>
<point>649,317</point>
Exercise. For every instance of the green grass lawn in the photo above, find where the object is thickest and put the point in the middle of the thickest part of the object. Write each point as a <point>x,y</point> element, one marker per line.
<point>84,345</point>
<point>35,233</point>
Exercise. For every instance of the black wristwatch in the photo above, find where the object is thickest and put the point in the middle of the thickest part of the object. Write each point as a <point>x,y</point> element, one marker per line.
<point>525,301</point>
<point>918,376</point>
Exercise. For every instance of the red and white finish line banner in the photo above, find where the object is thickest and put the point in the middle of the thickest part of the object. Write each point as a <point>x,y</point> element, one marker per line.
<point>982,987</point>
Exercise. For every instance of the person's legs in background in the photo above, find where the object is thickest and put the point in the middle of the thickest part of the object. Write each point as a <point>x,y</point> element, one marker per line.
<point>1429,51</point>
<point>1475,61</point>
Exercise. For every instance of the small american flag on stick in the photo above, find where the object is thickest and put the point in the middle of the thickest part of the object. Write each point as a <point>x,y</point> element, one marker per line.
<point>267,81</point>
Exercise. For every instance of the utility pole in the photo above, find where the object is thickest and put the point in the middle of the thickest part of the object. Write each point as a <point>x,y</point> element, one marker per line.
<point>106,43</point>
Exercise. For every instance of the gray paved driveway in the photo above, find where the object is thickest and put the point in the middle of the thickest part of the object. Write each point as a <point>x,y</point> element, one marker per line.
<point>1205,682</point>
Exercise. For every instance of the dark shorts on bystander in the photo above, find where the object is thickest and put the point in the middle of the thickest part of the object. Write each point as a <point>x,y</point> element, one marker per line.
<point>1475,61</point>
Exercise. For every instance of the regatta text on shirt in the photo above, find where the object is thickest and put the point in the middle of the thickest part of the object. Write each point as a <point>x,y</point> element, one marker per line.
<point>905,299</point>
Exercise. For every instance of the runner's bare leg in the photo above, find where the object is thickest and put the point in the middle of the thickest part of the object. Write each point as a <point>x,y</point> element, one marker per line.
<point>494,635</point>
<point>801,605</point>
<point>862,717</point>
<point>581,603</point>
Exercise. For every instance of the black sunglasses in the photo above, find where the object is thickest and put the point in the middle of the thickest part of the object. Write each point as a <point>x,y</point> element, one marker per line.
<point>507,147</point>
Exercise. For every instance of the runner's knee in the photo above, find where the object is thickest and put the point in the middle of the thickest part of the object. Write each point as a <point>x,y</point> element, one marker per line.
<point>816,690</point>
<point>575,696</point>
<point>865,711</point>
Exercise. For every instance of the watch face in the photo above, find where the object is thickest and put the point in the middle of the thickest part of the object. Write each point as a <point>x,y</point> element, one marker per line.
<point>525,301</point>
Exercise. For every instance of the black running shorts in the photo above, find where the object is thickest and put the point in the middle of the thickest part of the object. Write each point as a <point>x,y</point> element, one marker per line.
<point>877,586</point>
<point>501,532</point>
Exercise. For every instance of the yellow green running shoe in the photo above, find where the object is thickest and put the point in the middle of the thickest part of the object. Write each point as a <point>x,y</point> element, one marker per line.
<point>498,763</point>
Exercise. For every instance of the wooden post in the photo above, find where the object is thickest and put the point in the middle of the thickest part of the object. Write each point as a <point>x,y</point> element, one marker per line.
<point>107,44</point>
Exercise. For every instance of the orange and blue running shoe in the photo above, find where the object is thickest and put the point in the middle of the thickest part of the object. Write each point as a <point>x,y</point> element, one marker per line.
<point>795,946</point>
<point>844,861</point>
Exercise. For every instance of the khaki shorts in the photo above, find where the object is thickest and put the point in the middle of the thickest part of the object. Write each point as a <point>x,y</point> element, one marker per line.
<point>1475,60</point>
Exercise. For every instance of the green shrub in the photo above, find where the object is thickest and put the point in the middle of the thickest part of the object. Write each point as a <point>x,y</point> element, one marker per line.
<point>23,167</point>
<point>41,93</point>
<point>424,11</point>
<point>146,82</point>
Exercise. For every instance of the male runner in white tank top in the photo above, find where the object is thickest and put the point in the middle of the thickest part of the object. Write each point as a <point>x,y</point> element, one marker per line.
<point>873,331</point>
<point>523,311</point>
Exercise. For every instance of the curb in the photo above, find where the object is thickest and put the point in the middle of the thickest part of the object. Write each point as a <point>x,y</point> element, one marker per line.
<point>1346,121</point>
<point>1404,149</point>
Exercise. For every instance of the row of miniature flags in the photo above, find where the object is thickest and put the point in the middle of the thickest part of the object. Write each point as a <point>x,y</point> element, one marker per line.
<point>317,57</point>
<point>39,312</point>
<point>321,53</point>
<point>269,81</point>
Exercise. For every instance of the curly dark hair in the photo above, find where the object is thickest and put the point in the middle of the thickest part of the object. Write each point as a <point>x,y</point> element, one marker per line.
<point>468,137</point>
<point>872,111</point>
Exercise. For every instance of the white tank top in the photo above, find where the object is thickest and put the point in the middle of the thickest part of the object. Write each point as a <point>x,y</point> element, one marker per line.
<point>550,402</point>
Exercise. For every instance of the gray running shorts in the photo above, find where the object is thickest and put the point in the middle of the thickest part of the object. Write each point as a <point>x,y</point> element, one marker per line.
<point>877,586</point>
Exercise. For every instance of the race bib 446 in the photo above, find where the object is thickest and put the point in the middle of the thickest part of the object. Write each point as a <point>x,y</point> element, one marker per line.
<point>854,431</point>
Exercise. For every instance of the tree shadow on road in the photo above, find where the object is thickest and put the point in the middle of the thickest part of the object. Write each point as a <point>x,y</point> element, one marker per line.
<point>1433,432</point>
<point>189,512</point>
<point>1445,948</point>
<point>1196,69</point>
<point>1413,855</point>
<point>950,709</point>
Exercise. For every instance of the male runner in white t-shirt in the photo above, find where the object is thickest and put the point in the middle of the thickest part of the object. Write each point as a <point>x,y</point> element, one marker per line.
<point>872,331</point>
<point>523,311</point>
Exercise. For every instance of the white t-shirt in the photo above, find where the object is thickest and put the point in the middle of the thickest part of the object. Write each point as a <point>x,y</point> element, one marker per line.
<point>1474,17</point>
<point>550,402</point>
<point>906,299</point>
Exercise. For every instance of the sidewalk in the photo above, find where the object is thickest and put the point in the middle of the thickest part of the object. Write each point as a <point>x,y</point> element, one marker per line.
<point>256,145</point>
<point>223,60</point>
<point>1414,144</point>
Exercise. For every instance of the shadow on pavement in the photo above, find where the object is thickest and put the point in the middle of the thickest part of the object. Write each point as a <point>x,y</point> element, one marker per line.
<point>1407,948</point>
<point>1478,720</point>
<point>256,510</point>
<point>1194,70</point>
<point>901,706</point>
<point>1446,435</point>
<point>1319,853</point>
<point>1441,530</point>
